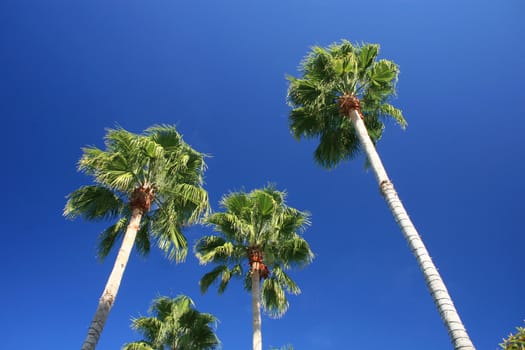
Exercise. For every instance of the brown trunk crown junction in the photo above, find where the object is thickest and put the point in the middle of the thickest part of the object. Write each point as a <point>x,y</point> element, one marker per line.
<point>142,197</point>
<point>256,261</point>
<point>348,103</point>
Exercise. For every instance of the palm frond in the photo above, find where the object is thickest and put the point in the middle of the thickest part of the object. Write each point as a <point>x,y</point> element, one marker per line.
<point>175,323</point>
<point>93,203</point>
<point>205,248</point>
<point>216,249</point>
<point>285,281</point>
<point>142,241</point>
<point>209,278</point>
<point>192,197</point>
<point>165,135</point>
<point>149,327</point>
<point>336,145</point>
<point>225,274</point>
<point>274,300</point>
<point>166,229</point>
<point>387,109</point>
<point>109,236</point>
<point>231,225</point>
<point>295,252</point>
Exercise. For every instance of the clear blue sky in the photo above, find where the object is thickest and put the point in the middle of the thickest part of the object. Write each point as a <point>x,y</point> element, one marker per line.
<point>216,69</point>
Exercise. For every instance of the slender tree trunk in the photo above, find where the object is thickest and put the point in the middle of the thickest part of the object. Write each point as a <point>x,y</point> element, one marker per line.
<point>435,284</point>
<point>256,310</point>
<point>110,291</point>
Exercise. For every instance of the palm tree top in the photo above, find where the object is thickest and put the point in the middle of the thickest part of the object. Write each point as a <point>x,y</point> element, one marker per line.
<point>258,219</point>
<point>175,323</point>
<point>148,159</point>
<point>260,230</point>
<point>335,81</point>
<point>155,172</point>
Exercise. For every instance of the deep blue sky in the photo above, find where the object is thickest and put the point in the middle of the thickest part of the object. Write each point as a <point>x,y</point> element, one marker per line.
<point>216,69</point>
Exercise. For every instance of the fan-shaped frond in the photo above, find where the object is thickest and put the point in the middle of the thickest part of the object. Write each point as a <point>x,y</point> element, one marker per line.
<point>285,281</point>
<point>205,248</point>
<point>216,249</point>
<point>93,203</point>
<point>142,241</point>
<point>236,203</point>
<point>388,110</point>
<point>274,300</point>
<point>232,226</point>
<point>336,144</point>
<point>193,198</point>
<point>166,229</point>
<point>149,327</point>
<point>109,236</point>
<point>209,278</point>
<point>264,204</point>
<point>225,274</point>
<point>166,136</point>
<point>295,252</point>
<point>176,324</point>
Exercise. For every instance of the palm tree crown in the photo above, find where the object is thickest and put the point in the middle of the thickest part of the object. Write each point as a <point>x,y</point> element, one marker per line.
<point>157,173</point>
<point>335,81</point>
<point>260,229</point>
<point>175,325</point>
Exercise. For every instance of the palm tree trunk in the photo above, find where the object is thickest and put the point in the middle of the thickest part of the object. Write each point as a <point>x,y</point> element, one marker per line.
<point>256,310</point>
<point>435,284</point>
<point>110,291</point>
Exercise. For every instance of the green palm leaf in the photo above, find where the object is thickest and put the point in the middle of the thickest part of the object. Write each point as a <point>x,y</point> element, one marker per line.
<point>93,203</point>
<point>107,238</point>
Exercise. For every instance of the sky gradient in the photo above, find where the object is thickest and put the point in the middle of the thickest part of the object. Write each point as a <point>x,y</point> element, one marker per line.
<point>217,70</point>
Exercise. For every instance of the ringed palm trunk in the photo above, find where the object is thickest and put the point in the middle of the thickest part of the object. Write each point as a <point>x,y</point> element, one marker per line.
<point>256,310</point>
<point>435,284</point>
<point>110,291</point>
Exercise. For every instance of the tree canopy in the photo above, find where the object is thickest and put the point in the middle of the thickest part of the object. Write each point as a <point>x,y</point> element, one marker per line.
<point>158,164</point>
<point>256,227</point>
<point>319,99</point>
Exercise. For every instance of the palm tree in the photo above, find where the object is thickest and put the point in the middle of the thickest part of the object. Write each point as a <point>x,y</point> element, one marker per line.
<point>175,325</point>
<point>260,229</point>
<point>149,186</point>
<point>342,98</point>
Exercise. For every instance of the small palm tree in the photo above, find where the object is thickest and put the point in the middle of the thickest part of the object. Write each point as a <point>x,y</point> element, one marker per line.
<point>175,325</point>
<point>257,228</point>
<point>149,185</point>
<point>342,99</point>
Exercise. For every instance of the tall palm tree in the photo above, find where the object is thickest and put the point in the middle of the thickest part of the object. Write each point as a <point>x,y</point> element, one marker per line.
<point>175,325</point>
<point>149,186</point>
<point>341,99</point>
<point>258,228</point>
